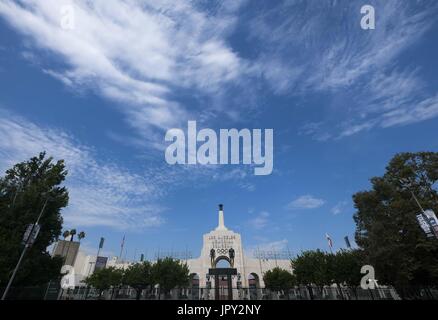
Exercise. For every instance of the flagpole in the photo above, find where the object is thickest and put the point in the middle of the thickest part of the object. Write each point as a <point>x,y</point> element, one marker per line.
<point>121,247</point>
<point>329,241</point>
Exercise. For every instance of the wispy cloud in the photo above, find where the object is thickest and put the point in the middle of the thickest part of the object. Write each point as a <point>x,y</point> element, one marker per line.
<point>392,99</point>
<point>305,202</point>
<point>339,208</point>
<point>240,175</point>
<point>134,52</point>
<point>319,47</point>
<point>265,247</point>
<point>101,193</point>
<point>260,221</point>
<point>143,54</point>
<point>328,47</point>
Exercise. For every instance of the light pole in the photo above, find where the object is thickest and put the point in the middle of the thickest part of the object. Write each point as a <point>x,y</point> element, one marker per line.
<point>407,183</point>
<point>27,243</point>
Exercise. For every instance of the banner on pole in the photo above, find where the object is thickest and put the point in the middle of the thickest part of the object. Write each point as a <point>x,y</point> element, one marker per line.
<point>100,263</point>
<point>31,234</point>
<point>433,221</point>
<point>424,224</point>
<point>102,240</point>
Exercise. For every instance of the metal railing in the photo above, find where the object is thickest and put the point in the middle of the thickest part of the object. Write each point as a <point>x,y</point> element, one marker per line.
<point>201,293</point>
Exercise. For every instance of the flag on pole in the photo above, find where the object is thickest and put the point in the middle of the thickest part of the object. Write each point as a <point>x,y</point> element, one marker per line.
<point>329,240</point>
<point>123,241</point>
<point>121,247</point>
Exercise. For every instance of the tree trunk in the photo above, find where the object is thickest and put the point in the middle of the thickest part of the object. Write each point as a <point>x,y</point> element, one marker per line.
<point>138,294</point>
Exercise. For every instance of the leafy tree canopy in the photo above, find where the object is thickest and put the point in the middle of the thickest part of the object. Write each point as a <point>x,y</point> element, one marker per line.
<point>311,267</point>
<point>170,273</point>
<point>105,278</point>
<point>386,225</point>
<point>322,268</point>
<point>23,192</point>
<point>138,276</point>
<point>279,279</point>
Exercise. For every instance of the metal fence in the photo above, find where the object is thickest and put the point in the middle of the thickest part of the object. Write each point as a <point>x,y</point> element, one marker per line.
<point>297,293</point>
<point>198,293</point>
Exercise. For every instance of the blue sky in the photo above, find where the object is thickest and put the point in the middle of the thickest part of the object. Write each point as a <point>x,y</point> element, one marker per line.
<point>341,100</point>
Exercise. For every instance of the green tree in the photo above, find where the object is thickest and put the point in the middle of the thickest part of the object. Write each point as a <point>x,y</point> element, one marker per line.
<point>23,192</point>
<point>72,233</point>
<point>386,225</point>
<point>81,235</point>
<point>346,265</point>
<point>313,268</point>
<point>279,279</point>
<point>320,269</point>
<point>138,276</point>
<point>169,273</point>
<point>104,279</point>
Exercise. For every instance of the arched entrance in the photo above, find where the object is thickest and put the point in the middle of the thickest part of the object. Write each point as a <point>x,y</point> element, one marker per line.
<point>222,262</point>
<point>222,270</point>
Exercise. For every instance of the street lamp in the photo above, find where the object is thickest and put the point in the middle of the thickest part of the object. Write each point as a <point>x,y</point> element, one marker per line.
<point>29,238</point>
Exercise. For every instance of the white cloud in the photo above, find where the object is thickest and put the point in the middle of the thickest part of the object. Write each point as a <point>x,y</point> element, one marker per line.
<point>268,247</point>
<point>305,202</point>
<point>423,110</point>
<point>319,47</point>
<point>339,208</point>
<point>326,56</point>
<point>392,99</point>
<point>133,52</point>
<point>239,174</point>
<point>260,221</point>
<point>101,193</point>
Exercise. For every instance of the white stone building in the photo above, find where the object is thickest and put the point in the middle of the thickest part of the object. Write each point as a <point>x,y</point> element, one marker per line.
<point>250,270</point>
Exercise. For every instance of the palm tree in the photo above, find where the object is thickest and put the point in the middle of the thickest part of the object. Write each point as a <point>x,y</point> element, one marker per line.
<point>65,234</point>
<point>81,235</point>
<point>72,233</point>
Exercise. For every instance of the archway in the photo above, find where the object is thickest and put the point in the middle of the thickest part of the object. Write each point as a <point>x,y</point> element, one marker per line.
<point>253,285</point>
<point>223,271</point>
<point>224,281</point>
<point>222,262</point>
